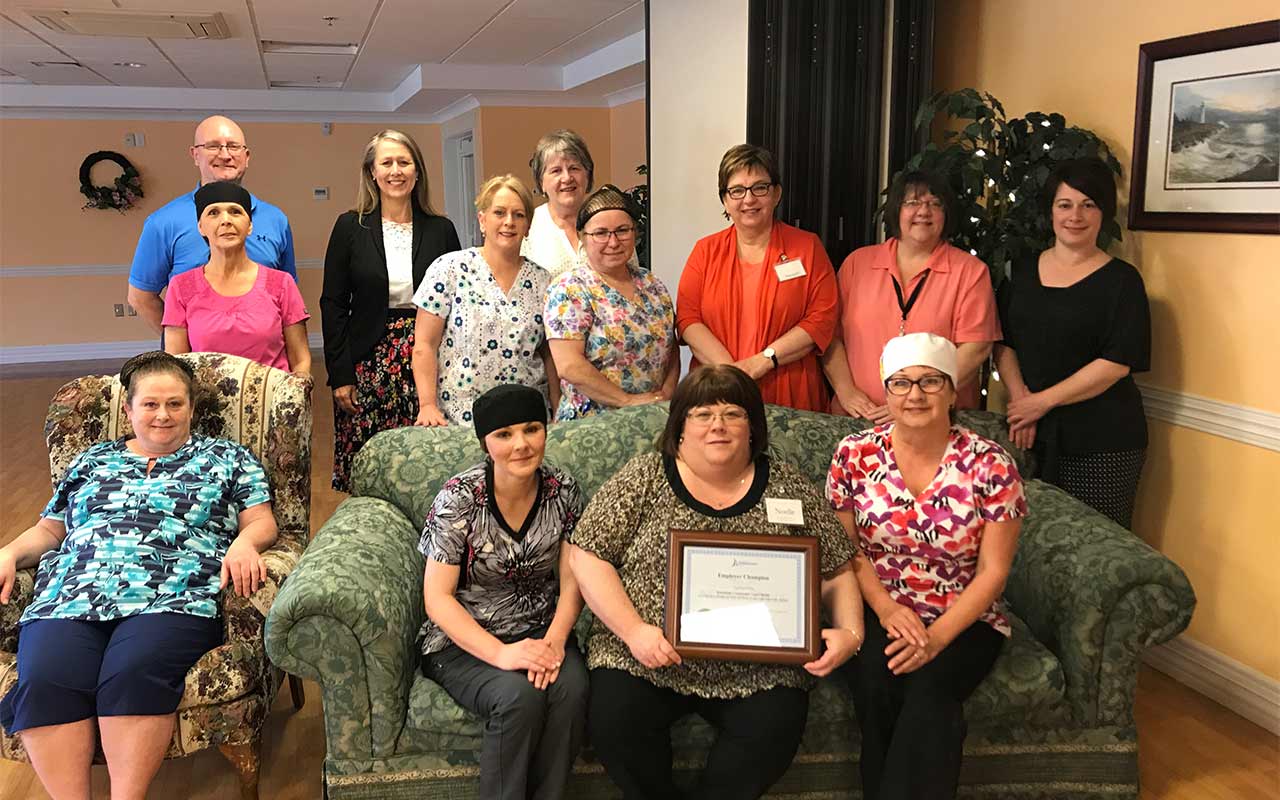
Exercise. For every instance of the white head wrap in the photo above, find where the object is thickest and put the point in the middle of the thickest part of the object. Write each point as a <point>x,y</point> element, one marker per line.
<point>919,350</point>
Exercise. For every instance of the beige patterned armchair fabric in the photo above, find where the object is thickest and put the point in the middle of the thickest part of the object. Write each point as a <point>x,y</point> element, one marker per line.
<point>231,688</point>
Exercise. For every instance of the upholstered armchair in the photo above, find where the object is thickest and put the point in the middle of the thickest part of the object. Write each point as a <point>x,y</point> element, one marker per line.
<point>230,689</point>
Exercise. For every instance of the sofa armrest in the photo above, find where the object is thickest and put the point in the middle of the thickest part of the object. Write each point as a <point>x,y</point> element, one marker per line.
<point>348,618</point>
<point>1097,596</point>
<point>244,616</point>
<point>24,591</point>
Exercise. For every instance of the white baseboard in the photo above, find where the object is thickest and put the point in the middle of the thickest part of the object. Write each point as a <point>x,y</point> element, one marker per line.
<point>97,351</point>
<point>1222,679</point>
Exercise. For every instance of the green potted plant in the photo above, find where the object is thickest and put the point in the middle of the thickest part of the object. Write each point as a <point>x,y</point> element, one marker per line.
<point>640,194</point>
<point>998,167</point>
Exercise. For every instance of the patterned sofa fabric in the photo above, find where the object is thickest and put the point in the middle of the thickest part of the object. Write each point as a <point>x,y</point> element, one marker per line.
<point>230,689</point>
<point>1086,597</point>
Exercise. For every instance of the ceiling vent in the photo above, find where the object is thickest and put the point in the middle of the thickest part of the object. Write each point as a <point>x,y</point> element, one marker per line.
<point>147,24</point>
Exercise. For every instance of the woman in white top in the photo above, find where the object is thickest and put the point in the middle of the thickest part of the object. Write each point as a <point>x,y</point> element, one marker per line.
<point>564,172</point>
<point>479,320</point>
<point>378,252</point>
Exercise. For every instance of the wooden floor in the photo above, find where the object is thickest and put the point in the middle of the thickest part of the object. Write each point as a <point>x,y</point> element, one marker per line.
<point>1191,747</point>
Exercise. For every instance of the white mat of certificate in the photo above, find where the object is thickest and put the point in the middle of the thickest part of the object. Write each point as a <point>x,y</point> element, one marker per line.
<point>743,597</point>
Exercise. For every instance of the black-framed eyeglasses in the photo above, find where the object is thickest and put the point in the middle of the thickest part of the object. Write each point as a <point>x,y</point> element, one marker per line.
<point>929,384</point>
<point>915,203</point>
<point>232,148</point>
<point>601,236</point>
<point>757,189</point>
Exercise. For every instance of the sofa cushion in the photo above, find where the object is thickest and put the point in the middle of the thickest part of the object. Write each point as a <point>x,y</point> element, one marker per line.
<point>1026,679</point>
<point>407,466</point>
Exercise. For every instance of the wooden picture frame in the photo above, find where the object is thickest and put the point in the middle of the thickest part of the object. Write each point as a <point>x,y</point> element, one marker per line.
<point>1182,177</point>
<point>804,580</point>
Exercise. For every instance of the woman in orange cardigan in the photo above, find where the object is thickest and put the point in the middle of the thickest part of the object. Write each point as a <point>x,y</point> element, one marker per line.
<point>760,294</point>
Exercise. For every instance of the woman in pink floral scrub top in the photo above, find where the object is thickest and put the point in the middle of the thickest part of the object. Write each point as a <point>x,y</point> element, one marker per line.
<point>936,511</point>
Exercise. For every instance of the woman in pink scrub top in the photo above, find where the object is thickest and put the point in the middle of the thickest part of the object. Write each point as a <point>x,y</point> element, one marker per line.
<point>915,282</point>
<point>232,305</point>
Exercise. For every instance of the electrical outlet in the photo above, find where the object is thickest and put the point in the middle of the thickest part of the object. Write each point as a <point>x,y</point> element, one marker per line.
<point>133,312</point>
<point>119,309</point>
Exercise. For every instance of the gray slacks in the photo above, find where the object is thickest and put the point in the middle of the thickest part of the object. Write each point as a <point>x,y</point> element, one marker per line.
<point>531,736</point>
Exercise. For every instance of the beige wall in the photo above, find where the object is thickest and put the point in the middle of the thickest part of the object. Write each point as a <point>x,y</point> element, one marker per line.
<point>1204,501</point>
<point>511,133</point>
<point>42,224</point>
<point>628,140</point>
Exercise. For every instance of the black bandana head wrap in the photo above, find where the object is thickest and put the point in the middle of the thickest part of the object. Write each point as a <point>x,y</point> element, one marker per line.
<point>508,404</point>
<point>607,198</point>
<point>222,192</point>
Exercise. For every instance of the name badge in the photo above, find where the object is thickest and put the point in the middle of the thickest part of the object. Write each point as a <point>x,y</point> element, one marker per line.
<point>784,512</point>
<point>789,269</point>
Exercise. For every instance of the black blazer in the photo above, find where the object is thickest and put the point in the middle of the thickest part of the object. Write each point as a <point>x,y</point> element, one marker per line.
<point>353,303</point>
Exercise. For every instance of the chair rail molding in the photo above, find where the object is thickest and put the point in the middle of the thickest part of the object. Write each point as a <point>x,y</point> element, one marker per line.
<point>90,270</point>
<point>1226,420</point>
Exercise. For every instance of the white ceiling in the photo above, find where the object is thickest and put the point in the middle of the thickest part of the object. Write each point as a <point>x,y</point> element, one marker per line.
<point>428,58</point>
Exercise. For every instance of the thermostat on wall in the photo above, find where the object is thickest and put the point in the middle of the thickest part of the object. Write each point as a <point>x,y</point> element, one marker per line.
<point>320,193</point>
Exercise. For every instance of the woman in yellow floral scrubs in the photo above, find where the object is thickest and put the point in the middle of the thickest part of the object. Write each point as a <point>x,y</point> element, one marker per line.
<point>611,326</point>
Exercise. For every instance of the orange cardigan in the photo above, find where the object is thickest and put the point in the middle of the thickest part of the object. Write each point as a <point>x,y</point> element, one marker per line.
<point>711,293</point>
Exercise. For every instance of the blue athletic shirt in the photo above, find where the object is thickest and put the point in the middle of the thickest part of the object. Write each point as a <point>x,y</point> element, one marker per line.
<point>145,544</point>
<point>171,243</point>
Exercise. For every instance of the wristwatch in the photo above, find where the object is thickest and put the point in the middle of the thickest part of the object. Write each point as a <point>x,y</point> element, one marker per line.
<point>772,355</point>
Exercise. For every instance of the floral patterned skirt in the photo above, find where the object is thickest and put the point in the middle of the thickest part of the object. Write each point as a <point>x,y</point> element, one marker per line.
<point>384,392</point>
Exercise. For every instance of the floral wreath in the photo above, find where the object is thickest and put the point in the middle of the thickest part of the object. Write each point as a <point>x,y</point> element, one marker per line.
<point>122,194</point>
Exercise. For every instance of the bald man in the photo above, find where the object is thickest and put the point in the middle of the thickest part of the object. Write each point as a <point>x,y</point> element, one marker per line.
<point>170,242</point>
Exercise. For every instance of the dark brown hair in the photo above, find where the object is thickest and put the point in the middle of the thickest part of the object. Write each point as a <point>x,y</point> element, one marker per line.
<point>919,181</point>
<point>156,362</point>
<point>708,385</point>
<point>1090,177</point>
<point>746,156</point>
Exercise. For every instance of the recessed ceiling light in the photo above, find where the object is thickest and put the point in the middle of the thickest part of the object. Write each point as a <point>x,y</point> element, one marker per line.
<point>129,64</point>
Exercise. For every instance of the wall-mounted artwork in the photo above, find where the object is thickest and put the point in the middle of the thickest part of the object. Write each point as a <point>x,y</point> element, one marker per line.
<point>1206,151</point>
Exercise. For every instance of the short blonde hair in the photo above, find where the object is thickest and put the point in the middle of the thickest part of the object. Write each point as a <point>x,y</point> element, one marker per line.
<point>484,198</point>
<point>367,195</point>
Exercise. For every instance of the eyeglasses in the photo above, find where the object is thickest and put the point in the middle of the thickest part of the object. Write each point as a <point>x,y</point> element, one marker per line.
<point>739,192</point>
<point>912,205</point>
<point>929,384</point>
<point>232,148</point>
<point>731,416</point>
<point>601,236</point>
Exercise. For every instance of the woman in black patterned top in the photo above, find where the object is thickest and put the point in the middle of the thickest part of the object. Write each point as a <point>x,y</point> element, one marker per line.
<point>499,630</point>
<point>712,473</point>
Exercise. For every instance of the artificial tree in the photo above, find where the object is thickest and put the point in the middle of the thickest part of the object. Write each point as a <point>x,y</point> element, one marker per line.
<point>998,167</point>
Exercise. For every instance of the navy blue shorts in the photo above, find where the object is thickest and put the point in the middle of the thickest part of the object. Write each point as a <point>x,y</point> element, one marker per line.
<point>70,669</point>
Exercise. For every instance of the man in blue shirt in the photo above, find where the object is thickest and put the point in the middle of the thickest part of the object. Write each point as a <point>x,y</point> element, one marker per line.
<point>170,242</point>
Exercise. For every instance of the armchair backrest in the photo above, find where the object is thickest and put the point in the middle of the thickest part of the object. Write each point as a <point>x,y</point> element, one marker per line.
<point>265,409</point>
<point>407,466</point>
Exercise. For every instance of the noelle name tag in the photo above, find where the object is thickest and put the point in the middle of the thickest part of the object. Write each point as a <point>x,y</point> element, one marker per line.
<point>784,512</point>
<point>789,269</point>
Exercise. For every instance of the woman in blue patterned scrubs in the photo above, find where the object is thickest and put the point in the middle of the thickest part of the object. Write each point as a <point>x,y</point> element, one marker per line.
<point>138,540</point>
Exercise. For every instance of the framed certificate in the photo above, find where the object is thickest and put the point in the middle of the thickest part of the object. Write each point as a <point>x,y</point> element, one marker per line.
<point>743,597</point>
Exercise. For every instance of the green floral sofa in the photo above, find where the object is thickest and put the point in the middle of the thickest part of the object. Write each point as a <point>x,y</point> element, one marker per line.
<point>1054,719</point>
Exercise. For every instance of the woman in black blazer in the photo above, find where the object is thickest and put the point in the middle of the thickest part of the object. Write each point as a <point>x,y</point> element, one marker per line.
<point>377,255</point>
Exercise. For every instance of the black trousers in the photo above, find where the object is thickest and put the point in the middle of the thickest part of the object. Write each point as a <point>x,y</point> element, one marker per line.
<point>913,725</point>
<point>630,720</point>
<point>531,736</point>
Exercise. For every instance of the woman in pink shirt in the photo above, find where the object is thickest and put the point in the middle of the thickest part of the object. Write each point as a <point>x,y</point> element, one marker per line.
<point>232,305</point>
<point>913,283</point>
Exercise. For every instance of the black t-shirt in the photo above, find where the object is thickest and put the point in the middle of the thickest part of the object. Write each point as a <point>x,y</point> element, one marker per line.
<point>1057,330</point>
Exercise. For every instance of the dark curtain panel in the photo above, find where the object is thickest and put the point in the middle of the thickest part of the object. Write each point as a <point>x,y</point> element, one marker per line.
<point>912,78</point>
<point>815,92</point>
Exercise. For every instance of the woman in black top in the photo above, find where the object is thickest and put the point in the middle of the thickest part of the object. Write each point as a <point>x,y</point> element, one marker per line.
<point>377,255</point>
<point>1076,327</point>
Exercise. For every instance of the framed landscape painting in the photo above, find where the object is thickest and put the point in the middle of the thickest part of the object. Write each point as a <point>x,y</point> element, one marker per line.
<point>1206,142</point>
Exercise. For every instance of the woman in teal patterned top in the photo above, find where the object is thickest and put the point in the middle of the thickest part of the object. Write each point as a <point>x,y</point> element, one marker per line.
<point>139,538</point>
